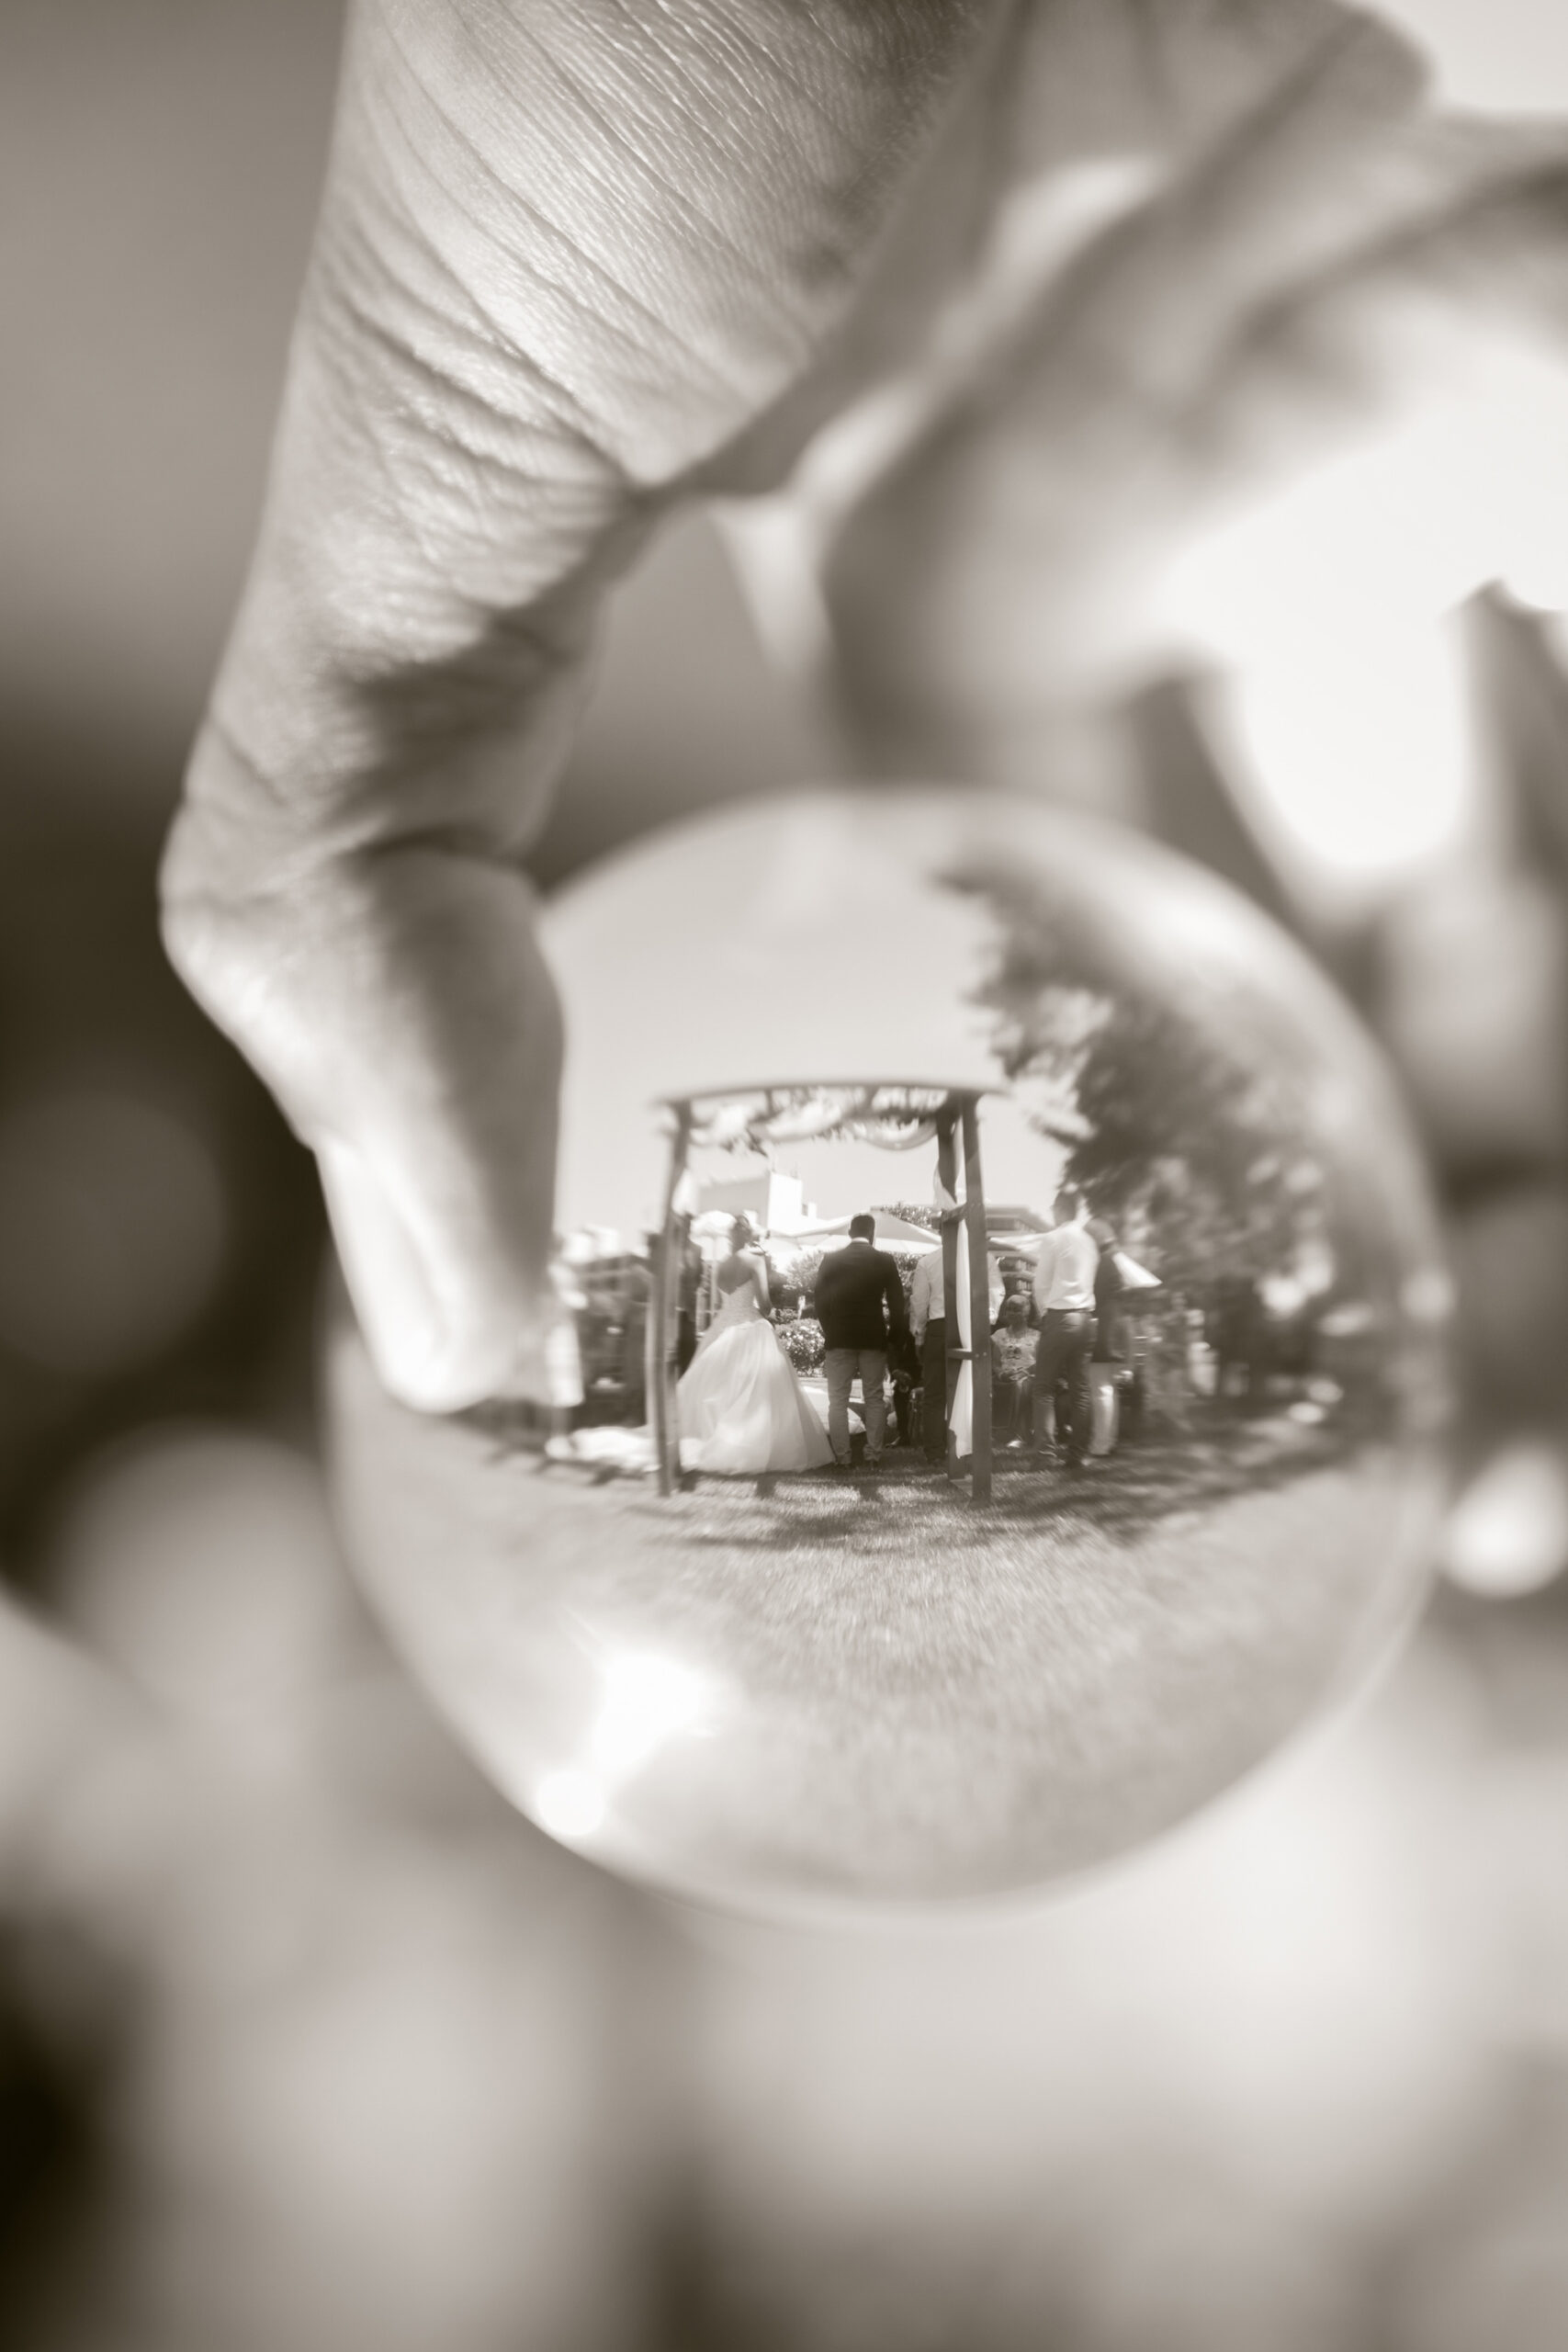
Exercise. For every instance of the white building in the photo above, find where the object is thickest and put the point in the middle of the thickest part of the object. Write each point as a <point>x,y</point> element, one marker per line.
<point>776,1201</point>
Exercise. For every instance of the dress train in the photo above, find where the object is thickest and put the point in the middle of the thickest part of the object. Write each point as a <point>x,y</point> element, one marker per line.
<point>740,1406</point>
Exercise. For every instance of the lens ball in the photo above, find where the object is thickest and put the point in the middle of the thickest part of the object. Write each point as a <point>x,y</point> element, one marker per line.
<point>996,1393</point>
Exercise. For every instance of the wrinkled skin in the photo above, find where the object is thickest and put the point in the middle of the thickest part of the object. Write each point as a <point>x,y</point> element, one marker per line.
<point>1103,278</point>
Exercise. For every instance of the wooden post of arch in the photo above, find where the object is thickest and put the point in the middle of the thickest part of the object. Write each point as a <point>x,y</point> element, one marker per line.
<point>947,1171</point>
<point>979,1303</point>
<point>664,1317</point>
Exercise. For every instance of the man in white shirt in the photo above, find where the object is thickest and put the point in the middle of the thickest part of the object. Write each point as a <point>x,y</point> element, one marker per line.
<point>1064,1269</point>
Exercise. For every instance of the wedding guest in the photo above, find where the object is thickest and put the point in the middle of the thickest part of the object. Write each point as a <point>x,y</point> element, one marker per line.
<point>1017,1281</point>
<point>1065,1270</point>
<point>1014,1345</point>
<point>1167,1369</point>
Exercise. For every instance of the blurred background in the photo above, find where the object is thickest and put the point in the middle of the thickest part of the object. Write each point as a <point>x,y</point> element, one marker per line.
<point>305,2039</point>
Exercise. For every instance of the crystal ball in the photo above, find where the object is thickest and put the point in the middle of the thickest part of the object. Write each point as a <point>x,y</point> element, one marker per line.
<point>997,1378</point>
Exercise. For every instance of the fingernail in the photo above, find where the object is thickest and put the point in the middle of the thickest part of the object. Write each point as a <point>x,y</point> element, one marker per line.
<point>429,1352</point>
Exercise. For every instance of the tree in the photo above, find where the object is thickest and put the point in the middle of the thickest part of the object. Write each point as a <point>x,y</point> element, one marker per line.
<point>1187,1114</point>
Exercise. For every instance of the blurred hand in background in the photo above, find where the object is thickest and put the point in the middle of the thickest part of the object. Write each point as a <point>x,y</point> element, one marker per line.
<point>1236,508</point>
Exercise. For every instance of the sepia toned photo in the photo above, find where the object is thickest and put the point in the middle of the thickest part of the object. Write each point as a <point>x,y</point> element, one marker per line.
<point>784,1175</point>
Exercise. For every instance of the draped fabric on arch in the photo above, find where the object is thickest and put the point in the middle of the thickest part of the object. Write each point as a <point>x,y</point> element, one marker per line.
<point>894,1118</point>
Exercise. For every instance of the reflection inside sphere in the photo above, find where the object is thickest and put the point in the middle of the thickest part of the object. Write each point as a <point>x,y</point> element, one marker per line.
<point>997,1361</point>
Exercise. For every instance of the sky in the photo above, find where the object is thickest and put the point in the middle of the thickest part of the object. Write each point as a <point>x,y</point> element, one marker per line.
<point>721,958</point>
<point>805,943</point>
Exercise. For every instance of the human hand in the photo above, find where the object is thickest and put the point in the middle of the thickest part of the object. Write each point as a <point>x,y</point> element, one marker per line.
<point>1213,407</point>
<point>471,450</point>
<point>569,259</point>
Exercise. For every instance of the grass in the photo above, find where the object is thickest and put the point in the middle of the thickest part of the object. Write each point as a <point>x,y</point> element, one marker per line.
<point>1121,1496</point>
<point>915,1695</point>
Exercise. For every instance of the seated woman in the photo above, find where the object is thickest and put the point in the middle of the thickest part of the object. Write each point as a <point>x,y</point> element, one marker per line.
<point>1013,1343</point>
<point>1018,1282</point>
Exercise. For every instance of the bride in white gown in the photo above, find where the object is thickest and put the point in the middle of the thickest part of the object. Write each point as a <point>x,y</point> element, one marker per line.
<point>739,1403</point>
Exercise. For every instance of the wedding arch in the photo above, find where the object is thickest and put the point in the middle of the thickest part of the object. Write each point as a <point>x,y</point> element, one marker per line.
<point>892,1115</point>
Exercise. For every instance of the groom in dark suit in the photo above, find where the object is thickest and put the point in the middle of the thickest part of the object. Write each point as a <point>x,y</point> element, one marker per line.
<point>860,1304</point>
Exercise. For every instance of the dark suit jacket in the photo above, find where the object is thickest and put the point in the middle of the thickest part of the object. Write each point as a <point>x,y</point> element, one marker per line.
<point>853,1285</point>
<point>1111,1332</point>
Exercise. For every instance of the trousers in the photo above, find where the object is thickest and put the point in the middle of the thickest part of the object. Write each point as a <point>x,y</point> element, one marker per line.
<point>843,1367</point>
<point>1066,1342</point>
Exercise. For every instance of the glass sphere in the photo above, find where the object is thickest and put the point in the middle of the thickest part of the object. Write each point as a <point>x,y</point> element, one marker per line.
<point>838,1571</point>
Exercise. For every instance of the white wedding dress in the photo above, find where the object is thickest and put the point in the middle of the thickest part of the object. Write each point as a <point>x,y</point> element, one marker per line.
<point>740,1405</point>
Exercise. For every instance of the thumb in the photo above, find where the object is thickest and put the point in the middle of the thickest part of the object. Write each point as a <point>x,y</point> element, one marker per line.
<point>567,256</point>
